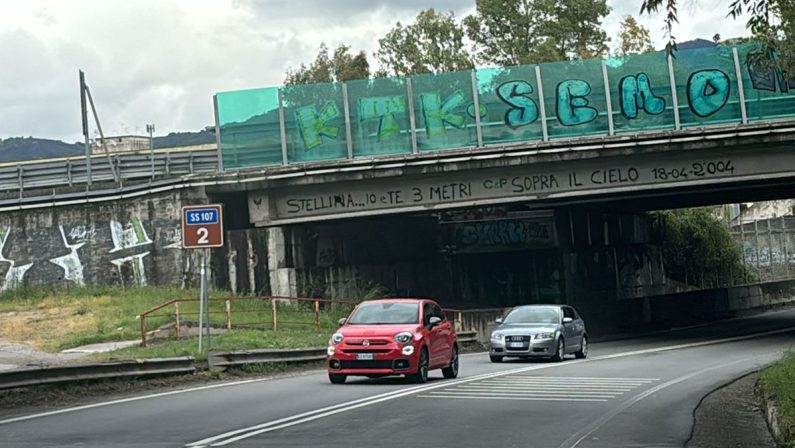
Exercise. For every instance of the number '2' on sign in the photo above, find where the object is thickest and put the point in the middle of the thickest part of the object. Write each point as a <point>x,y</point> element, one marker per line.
<point>202,226</point>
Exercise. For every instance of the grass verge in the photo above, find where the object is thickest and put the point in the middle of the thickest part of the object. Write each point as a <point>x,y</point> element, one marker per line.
<point>52,320</point>
<point>778,382</point>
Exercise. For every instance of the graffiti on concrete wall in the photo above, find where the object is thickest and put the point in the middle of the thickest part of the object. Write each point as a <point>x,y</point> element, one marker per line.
<point>130,245</point>
<point>14,274</point>
<point>70,262</point>
<point>82,233</point>
<point>81,252</point>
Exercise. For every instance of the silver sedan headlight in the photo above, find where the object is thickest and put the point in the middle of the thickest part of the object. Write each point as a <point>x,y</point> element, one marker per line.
<point>496,336</point>
<point>545,336</point>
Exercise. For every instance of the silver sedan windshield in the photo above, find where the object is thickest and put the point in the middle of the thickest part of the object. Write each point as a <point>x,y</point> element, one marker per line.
<point>533,315</point>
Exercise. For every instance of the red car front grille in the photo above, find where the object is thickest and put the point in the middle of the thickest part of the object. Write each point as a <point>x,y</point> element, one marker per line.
<point>365,350</point>
<point>369,342</point>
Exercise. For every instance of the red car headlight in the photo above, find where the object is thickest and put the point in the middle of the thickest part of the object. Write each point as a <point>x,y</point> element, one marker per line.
<point>403,337</point>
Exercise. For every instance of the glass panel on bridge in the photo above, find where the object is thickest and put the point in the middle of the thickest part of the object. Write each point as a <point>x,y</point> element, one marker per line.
<point>768,95</point>
<point>706,86</point>
<point>640,92</point>
<point>509,104</point>
<point>249,127</point>
<point>315,122</point>
<point>379,114</point>
<point>574,98</point>
<point>444,111</point>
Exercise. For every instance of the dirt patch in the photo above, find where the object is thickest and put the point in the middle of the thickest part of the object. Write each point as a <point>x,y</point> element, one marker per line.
<point>43,328</point>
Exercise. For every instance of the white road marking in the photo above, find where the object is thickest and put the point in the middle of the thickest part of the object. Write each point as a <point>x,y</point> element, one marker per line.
<point>538,390</point>
<point>559,388</point>
<point>511,398</point>
<point>493,393</point>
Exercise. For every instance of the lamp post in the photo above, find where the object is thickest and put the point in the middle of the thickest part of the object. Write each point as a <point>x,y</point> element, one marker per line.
<point>150,128</point>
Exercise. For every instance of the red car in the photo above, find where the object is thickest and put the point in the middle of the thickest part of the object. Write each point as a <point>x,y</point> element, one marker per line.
<point>393,337</point>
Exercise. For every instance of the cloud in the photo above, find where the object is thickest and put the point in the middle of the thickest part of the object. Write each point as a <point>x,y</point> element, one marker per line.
<point>160,61</point>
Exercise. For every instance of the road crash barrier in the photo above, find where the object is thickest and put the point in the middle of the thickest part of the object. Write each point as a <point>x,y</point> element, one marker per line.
<point>220,361</point>
<point>467,337</point>
<point>115,369</point>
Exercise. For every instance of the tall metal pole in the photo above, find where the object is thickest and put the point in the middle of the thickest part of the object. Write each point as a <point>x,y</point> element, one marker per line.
<point>84,115</point>
<point>150,128</point>
<point>206,256</point>
<point>201,302</point>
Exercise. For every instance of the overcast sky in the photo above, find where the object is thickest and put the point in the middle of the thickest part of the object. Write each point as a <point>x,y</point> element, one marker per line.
<point>160,61</point>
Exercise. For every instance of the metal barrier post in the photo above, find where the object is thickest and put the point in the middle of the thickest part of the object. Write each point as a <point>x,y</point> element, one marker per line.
<point>176,315</point>
<point>273,313</point>
<point>228,316</point>
<point>317,316</point>
<point>143,330</point>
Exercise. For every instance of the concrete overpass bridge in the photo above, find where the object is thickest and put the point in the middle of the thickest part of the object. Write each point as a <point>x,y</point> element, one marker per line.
<point>492,186</point>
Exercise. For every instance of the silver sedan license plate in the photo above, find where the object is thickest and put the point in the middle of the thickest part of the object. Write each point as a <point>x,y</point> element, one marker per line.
<point>365,356</point>
<point>516,344</point>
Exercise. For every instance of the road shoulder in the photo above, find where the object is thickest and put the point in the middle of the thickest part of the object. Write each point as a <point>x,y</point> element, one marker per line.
<point>731,417</point>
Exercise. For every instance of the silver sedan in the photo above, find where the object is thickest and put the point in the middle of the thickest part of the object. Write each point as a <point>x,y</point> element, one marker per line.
<point>551,331</point>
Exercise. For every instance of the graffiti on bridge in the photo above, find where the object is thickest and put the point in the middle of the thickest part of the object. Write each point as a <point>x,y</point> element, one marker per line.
<point>503,234</point>
<point>707,92</point>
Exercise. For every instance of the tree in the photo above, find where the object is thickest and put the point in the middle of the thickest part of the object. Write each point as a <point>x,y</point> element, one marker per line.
<point>633,38</point>
<point>699,250</point>
<point>341,66</point>
<point>772,23</point>
<point>512,32</point>
<point>433,43</point>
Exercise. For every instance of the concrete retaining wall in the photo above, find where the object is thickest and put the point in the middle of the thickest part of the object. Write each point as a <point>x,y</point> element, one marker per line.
<point>660,311</point>
<point>126,242</point>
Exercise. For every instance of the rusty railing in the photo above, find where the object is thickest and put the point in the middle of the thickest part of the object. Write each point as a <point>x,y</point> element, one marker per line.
<point>293,308</point>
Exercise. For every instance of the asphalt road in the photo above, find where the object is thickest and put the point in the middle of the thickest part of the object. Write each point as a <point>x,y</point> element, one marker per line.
<point>632,393</point>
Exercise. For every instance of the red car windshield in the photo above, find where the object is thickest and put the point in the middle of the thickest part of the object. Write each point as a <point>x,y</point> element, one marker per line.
<point>385,313</point>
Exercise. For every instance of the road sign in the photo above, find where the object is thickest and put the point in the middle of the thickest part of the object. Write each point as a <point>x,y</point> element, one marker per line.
<point>202,226</point>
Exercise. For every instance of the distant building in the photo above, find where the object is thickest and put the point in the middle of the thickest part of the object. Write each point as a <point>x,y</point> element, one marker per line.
<point>121,143</point>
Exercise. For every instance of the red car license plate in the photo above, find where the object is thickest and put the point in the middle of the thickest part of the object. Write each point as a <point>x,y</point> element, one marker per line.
<point>365,356</point>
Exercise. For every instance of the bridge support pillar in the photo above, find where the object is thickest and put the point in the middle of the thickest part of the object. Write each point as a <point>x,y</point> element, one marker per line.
<point>281,273</point>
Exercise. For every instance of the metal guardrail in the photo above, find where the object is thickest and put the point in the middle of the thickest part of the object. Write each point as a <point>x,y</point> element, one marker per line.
<point>115,369</point>
<point>222,360</point>
<point>465,337</point>
<point>52,173</point>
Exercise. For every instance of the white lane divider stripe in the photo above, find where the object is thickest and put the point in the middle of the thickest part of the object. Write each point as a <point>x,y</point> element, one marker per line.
<point>513,398</point>
<point>536,391</point>
<point>519,394</point>
<point>585,378</point>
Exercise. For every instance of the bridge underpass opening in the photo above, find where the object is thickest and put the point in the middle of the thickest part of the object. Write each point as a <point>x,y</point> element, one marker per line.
<point>606,259</point>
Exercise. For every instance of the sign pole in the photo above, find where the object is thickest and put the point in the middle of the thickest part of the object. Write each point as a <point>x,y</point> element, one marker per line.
<point>203,228</point>
<point>201,304</point>
<point>206,256</point>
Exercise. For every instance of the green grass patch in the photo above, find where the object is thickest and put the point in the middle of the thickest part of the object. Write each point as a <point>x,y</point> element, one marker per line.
<point>778,381</point>
<point>233,340</point>
<point>53,320</point>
